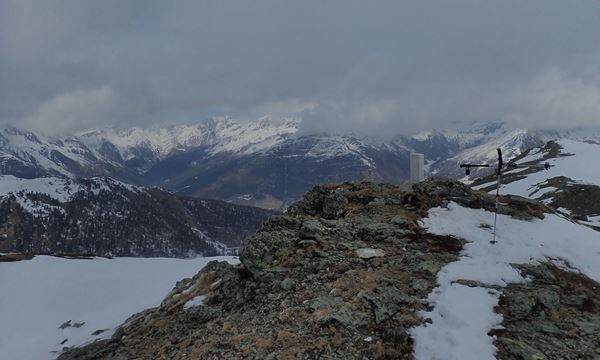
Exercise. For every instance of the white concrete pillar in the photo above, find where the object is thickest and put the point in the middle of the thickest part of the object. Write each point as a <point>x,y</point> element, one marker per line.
<point>417,167</point>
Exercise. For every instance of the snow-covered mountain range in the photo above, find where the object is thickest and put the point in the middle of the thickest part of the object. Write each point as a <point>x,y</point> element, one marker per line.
<point>261,162</point>
<point>130,151</point>
<point>145,147</point>
<point>267,162</point>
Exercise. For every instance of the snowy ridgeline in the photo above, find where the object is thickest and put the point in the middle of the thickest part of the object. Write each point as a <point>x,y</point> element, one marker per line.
<point>580,165</point>
<point>88,299</point>
<point>576,166</point>
<point>218,134</point>
<point>463,316</point>
<point>59,189</point>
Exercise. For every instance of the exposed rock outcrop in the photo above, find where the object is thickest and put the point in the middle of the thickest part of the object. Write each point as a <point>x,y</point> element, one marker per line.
<point>554,316</point>
<point>303,290</point>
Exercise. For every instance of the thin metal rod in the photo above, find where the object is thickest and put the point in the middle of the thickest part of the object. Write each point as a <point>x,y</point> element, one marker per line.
<point>545,166</point>
<point>497,206</point>
<point>474,165</point>
<point>501,167</point>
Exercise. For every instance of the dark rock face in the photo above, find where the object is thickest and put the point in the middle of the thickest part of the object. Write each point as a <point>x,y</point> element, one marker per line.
<point>555,316</point>
<point>122,221</point>
<point>581,199</point>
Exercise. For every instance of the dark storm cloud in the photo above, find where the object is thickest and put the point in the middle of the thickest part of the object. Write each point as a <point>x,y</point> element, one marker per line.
<point>373,67</point>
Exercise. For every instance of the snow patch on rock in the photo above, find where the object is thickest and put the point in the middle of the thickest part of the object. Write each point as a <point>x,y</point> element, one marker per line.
<point>462,316</point>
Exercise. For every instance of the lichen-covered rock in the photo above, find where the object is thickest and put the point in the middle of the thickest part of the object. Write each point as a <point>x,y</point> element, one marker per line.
<point>334,205</point>
<point>369,253</point>
<point>554,316</point>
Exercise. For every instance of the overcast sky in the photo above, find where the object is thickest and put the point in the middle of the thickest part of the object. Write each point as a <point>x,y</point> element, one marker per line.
<point>373,67</point>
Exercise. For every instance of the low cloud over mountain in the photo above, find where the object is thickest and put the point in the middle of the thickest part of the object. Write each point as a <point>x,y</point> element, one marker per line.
<point>374,69</point>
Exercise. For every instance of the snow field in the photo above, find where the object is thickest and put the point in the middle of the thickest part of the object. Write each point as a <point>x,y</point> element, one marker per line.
<point>462,316</point>
<point>39,295</point>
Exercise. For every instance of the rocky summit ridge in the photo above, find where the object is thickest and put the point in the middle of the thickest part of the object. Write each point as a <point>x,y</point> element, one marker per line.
<point>344,274</point>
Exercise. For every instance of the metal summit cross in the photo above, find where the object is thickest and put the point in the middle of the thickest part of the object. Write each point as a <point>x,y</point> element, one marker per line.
<point>499,170</point>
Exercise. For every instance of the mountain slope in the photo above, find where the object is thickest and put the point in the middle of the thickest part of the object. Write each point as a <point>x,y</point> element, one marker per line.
<point>284,172</point>
<point>513,143</point>
<point>28,155</point>
<point>102,216</point>
<point>474,292</point>
<point>571,185</point>
<point>141,148</point>
<point>128,153</point>
<point>362,270</point>
<point>439,145</point>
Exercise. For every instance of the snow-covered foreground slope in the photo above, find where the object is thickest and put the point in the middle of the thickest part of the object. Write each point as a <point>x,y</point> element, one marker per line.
<point>462,316</point>
<point>39,295</point>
